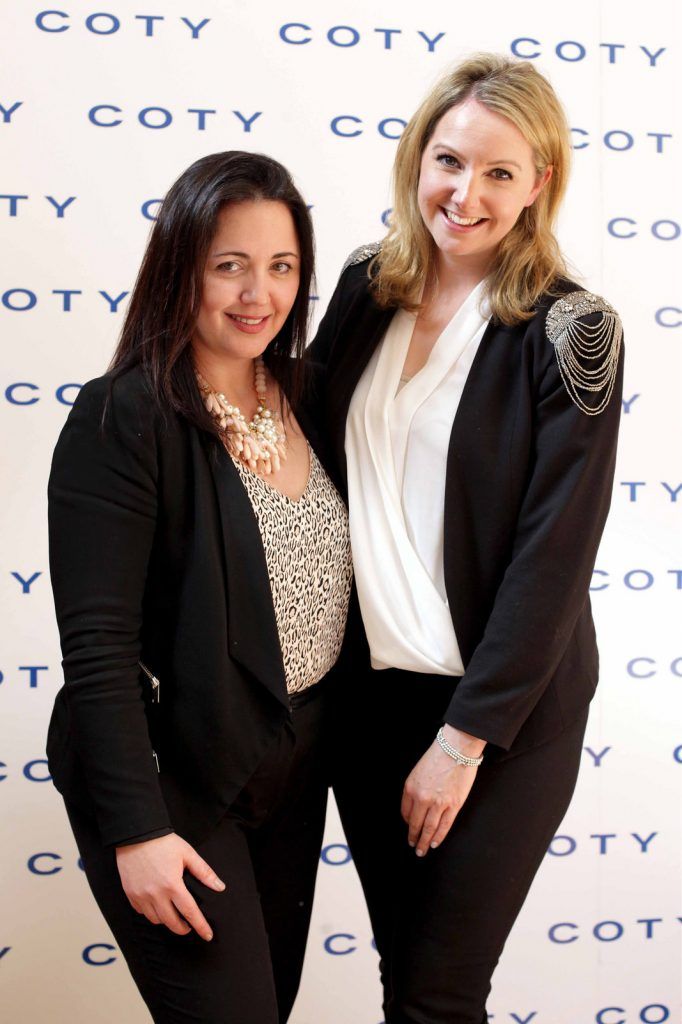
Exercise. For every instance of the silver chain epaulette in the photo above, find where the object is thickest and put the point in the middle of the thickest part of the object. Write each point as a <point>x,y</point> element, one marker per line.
<point>587,354</point>
<point>362,253</point>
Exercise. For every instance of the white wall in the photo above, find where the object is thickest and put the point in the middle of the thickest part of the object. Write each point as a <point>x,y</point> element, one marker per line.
<point>582,950</point>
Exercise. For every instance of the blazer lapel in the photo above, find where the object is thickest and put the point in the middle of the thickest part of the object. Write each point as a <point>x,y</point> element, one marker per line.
<point>365,334</point>
<point>252,627</point>
<point>491,370</point>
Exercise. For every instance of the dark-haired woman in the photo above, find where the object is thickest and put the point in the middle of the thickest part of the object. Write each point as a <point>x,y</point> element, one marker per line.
<point>200,563</point>
<point>472,394</point>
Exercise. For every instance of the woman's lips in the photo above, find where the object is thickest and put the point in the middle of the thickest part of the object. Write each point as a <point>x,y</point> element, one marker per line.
<point>454,225</point>
<point>249,324</point>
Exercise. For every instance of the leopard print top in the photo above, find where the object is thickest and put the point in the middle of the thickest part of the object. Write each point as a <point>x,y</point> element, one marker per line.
<point>307,550</point>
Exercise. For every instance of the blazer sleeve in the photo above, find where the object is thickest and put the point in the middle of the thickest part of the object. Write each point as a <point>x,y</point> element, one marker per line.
<point>546,583</point>
<point>352,281</point>
<point>102,508</point>
<point>319,350</point>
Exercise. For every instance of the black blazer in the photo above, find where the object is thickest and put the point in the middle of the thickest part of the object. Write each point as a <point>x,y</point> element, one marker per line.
<point>529,479</point>
<point>156,556</point>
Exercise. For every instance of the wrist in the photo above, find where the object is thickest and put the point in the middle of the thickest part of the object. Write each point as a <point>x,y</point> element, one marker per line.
<point>466,760</point>
<point>146,837</point>
<point>470,746</point>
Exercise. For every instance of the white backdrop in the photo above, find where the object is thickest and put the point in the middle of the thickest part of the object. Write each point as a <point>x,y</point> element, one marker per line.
<point>100,109</point>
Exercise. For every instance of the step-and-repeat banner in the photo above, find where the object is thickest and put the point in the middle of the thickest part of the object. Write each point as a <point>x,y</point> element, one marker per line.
<point>102,105</point>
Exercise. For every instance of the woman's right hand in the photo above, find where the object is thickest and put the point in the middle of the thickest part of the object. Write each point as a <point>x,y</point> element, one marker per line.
<point>151,876</point>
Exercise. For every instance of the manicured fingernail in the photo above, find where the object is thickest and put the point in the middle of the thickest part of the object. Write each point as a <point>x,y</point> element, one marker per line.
<point>209,936</point>
<point>420,853</point>
<point>434,846</point>
<point>218,885</point>
<point>411,843</point>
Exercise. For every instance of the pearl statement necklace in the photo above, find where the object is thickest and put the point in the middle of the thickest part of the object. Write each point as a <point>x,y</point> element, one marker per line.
<point>260,444</point>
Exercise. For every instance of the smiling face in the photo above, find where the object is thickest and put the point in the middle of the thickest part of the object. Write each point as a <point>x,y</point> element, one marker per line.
<point>251,279</point>
<point>477,174</point>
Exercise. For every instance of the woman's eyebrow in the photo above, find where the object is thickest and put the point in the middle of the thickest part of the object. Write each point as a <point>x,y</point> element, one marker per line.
<point>490,163</point>
<point>512,162</point>
<point>245,255</point>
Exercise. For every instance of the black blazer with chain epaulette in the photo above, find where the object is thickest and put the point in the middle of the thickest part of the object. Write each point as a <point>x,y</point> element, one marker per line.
<point>528,488</point>
<point>156,556</point>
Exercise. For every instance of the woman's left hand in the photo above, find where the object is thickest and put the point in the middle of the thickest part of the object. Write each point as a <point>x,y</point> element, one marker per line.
<point>436,789</point>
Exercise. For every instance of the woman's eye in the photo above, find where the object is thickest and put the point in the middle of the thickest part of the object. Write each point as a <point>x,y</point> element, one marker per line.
<point>281,268</point>
<point>447,160</point>
<point>501,174</point>
<point>228,265</point>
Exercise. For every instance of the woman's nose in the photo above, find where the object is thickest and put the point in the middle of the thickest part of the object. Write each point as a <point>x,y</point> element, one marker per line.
<point>467,191</point>
<point>255,290</point>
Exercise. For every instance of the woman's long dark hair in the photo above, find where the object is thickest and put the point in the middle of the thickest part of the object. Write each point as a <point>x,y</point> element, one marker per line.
<point>167,295</point>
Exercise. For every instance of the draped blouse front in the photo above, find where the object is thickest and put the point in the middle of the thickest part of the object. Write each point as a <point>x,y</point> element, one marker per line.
<point>396,442</point>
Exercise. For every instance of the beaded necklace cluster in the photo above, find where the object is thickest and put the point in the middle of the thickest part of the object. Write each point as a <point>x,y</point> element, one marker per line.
<point>261,442</point>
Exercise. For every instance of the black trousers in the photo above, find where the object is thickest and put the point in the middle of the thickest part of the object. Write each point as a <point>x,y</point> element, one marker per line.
<point>440,922</point>
<point>266,849</point>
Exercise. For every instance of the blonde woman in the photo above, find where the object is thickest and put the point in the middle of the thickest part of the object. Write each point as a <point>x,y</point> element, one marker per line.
<point>472,394</point>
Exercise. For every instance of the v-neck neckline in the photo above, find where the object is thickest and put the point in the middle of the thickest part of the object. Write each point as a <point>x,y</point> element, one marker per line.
<point>435,360</point>
<point>271,487</point>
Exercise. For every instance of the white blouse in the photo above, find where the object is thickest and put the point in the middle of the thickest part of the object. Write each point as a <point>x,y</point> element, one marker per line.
<point>396,445</point>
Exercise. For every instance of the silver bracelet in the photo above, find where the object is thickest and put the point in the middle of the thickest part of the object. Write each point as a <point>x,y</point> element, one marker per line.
<point>470,762</point>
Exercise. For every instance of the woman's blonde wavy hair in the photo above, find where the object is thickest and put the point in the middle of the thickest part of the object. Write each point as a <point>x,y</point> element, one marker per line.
<point>528,258</point>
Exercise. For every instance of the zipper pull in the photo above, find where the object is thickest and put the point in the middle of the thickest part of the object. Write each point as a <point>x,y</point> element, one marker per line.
<point>157,760</point>
<point>156,683</point>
